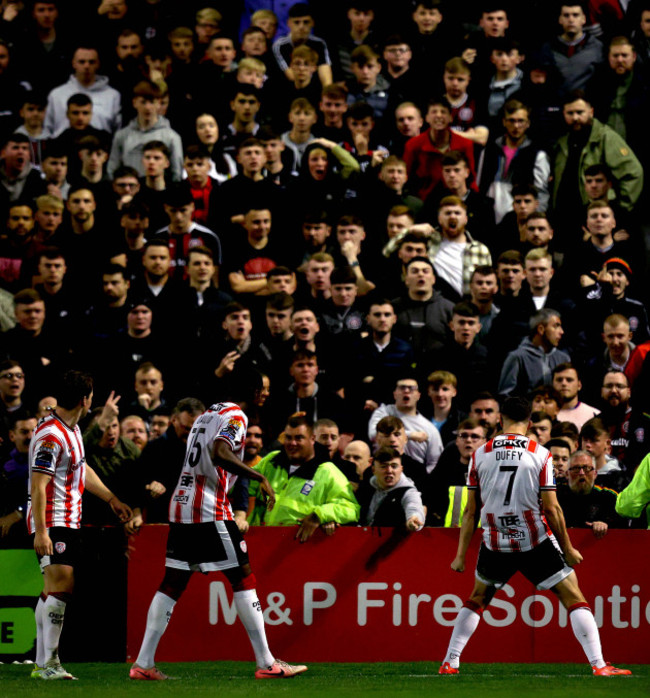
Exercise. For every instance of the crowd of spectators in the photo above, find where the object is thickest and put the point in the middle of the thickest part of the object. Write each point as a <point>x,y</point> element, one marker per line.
<point>393,215</point>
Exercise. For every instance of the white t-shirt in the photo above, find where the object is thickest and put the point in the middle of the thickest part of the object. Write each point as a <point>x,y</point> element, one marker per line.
<point>448,263</point>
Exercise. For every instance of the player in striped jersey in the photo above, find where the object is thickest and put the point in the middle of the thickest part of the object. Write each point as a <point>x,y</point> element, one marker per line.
<point>204,537</point>
<point>58,475</point>
<point>512,488</point>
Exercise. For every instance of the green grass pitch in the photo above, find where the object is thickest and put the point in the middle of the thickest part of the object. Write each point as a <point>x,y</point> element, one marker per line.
<point>381,680</point>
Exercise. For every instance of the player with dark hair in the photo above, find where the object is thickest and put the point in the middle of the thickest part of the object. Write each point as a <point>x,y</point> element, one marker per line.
<point>58,475</point>
<point>204,537</point>
<point>511,474</point>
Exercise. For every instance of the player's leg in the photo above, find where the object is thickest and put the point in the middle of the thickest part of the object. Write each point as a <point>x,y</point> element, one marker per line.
<point>58,588</point>
<point>249,610</point>
<point>40,647</point>
<point>243,583</point>
<point>467,621</point>
<point>160,610</point>
<point>492,571</point>
<point>584,625</point>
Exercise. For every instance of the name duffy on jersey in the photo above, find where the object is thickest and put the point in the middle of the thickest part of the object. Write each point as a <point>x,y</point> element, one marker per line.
<point>509,472</point>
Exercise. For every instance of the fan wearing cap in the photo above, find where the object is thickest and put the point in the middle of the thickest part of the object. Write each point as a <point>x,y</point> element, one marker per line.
<point>608,295</point>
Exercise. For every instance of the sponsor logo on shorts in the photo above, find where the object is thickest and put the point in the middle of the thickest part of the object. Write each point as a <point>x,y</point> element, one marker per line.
<point>243,546</point>
<point>59,546</point>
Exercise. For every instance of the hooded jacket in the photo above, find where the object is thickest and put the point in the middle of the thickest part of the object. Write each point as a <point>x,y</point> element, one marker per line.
<point>424,324</point>
<point>316,487</point>
<point>527,367</point>
<point>634,499</point>
<point>604,146</point>
<point>107,105</point>
<point>394,505</point>
<point>129,142</point>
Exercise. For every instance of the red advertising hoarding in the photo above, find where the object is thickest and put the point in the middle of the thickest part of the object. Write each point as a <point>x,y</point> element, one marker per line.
<point>378,595</point>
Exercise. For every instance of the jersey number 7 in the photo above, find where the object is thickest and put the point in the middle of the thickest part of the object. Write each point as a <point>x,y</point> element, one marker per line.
<point>512,469</point>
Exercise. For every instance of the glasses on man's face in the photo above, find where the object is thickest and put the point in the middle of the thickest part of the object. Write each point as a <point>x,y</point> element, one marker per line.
<point>126,185</point>
<point>468,435</point>
<point>11,376</point>
<point>585,468</point>
<point>397,49</point>
<point>407,388</point>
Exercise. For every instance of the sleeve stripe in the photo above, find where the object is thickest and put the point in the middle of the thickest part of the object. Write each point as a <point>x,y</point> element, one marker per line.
<point>42,469</point>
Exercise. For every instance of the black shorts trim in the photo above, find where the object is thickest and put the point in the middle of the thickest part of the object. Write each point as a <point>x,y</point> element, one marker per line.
<point>66,547</point>
<point>206,547</point>
<point>544,566</point>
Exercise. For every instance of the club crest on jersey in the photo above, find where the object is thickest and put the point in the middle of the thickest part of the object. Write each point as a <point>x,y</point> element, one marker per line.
<point>243,546</point>
<point>230,430</point>
<point>59,546</point>
<point>307,487</point>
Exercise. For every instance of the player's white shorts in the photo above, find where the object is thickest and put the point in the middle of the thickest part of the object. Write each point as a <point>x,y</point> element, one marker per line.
<point>544,566</point>
<point>206,547</point>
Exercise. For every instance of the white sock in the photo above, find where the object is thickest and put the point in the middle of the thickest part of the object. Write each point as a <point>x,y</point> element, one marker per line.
<point>585,629</point>
<point>38,615</point>
<point>466,623</point>
<point>158,616</point>
<point>250,613</point>
<point>52,617</point>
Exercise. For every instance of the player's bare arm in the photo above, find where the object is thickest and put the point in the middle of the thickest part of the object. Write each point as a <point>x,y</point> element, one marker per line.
<point>226,459</point>
<point>42,541</point>
<point>555,519</point>
<point>95,486</point>
<point>241,521</point>
<point>467,528</point>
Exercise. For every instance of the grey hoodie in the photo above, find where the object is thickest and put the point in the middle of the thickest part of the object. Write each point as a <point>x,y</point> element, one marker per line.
<point>130,140</point>
<point>411,501</point>
<point>527,367</point>
<point>107,105</point>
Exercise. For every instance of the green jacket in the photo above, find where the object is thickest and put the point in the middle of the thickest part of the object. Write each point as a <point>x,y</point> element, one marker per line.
<point>607,147</point>
<point>636,496</point>
<point>316,487</point>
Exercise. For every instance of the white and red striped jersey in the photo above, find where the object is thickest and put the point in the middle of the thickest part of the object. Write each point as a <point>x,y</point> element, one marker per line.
<point>201,494</point>
<point>509,472</point>
<point>58,450</point>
